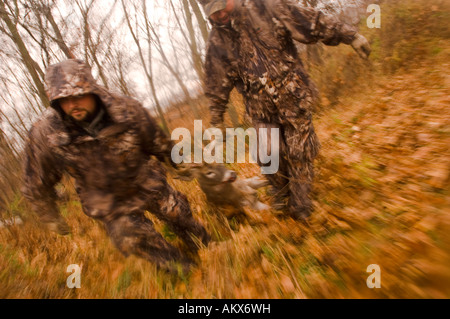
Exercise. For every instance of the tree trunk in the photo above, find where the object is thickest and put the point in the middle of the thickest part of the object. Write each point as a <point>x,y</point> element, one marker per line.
<point>25,55</point>
<point>196,57</point>
<point>174,72</point>
<point>202,23</point>
<point>148,75</point>
<point>59,38</point>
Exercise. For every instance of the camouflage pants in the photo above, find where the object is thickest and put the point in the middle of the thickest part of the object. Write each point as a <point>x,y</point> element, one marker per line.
<point>298,146</point>
<point>133,233</point>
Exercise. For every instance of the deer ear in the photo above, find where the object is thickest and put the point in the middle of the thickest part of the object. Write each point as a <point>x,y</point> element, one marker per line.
<point>187,173</point>
<point>184,178</point>
<point>184,175</point>
<point>182,172</point>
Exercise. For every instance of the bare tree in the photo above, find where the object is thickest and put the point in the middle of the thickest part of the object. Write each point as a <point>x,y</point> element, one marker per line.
<point>202,23</point>
<point>10,18</point>
<point>147,68</point>
<point>153,34</point>
<point>90,47</point>
<point>119,63</point>
<point>196,56</point>
<point>46,10</point>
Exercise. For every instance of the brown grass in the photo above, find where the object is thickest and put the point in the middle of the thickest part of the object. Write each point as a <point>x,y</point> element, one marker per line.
<point>381,197</point>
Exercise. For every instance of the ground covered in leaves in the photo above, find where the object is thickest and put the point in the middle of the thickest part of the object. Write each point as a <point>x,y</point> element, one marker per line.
<point>381,197</point>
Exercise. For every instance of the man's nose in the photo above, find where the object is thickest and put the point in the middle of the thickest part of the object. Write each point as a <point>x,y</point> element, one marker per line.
<point>71,103</point>
<point>229,176</point>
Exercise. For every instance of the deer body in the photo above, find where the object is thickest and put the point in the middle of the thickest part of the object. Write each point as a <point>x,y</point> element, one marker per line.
<point>222,187</point>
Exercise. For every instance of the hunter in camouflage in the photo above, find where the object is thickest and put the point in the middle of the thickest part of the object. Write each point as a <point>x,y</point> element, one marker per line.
<point>251,47</point>
<point>112,148</point>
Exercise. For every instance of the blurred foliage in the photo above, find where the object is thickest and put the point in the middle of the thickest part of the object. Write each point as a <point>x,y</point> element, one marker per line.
<point>411,30</point>
<point>381,193</point>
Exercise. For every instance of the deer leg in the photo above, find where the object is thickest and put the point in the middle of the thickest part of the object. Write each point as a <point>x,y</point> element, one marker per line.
<point>256,182</point>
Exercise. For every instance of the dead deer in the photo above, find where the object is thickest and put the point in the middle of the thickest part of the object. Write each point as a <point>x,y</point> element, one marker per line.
<point>223,187</point>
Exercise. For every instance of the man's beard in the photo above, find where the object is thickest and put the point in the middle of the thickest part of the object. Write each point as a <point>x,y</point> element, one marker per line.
<point>89,117</point>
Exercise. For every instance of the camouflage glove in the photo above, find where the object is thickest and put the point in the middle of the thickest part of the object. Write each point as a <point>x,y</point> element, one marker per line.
<point>58,226</point>
<point>361,46</point>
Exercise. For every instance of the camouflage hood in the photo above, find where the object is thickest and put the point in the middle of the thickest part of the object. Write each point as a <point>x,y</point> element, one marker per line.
<point>69,78</point>
<point>73,77</point>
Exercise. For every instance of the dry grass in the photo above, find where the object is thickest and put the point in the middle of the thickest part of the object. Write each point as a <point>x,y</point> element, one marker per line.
<point>381,197</point>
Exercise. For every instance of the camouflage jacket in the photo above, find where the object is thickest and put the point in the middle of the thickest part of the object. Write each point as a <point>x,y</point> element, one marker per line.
<point>110,167</point>
<point>256,54</point>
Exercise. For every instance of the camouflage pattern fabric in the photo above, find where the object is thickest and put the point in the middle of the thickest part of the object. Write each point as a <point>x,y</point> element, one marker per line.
<point>116,168</point>
<point>256,54</point>
<point>292,183</point>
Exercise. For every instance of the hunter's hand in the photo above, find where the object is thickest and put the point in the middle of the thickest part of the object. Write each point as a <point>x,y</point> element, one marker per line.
<point>361,46</point>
